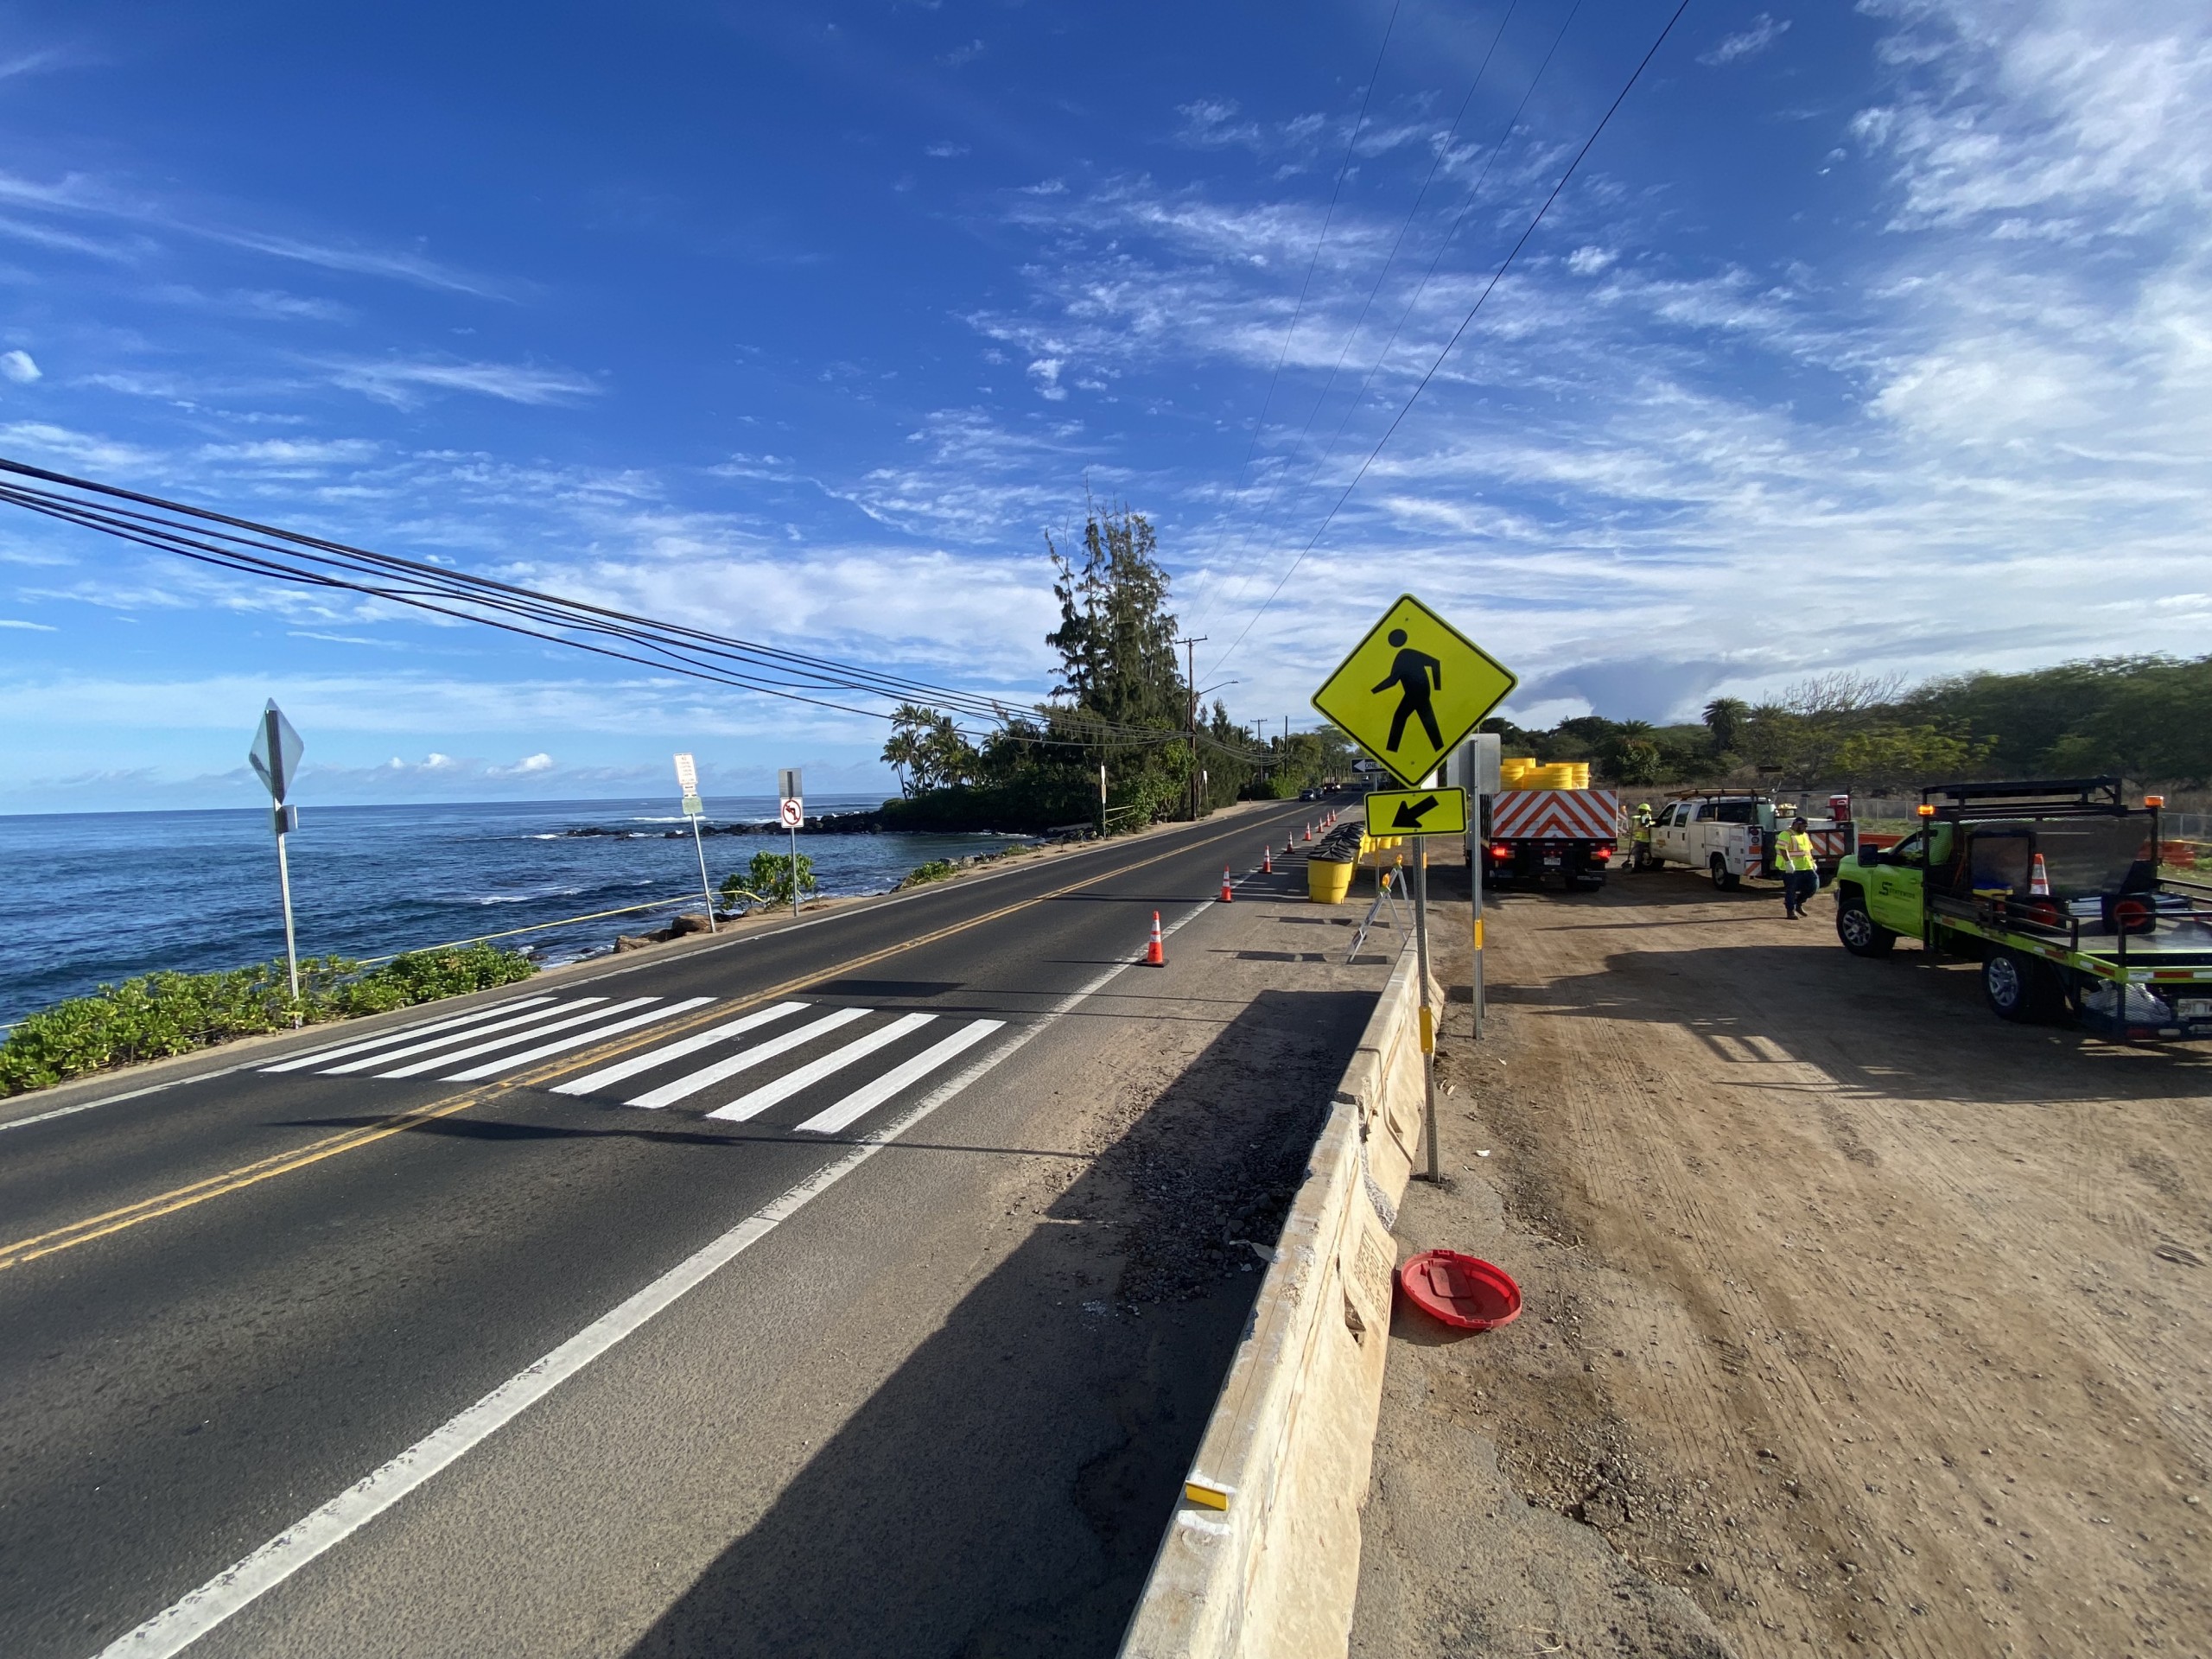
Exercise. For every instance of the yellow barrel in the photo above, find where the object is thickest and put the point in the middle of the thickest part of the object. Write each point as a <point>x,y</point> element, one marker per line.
<point>1327,883</point>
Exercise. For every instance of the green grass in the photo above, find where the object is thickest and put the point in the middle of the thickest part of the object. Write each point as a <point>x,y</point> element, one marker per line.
<point>161,1014</point>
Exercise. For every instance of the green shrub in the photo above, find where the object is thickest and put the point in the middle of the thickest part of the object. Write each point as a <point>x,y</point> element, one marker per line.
<point>767,880</point>
<point>160,1014</point>
<point>935,870</point>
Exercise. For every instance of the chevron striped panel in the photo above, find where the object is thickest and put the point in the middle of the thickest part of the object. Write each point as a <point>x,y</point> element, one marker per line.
<point>1578,814</point>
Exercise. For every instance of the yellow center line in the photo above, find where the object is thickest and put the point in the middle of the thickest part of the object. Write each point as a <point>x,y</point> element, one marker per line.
<point>215,1186</point>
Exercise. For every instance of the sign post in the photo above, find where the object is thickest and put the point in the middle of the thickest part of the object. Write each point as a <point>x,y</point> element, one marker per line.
<point>791,809</point>
<point>275,757</point>
<point>1409,693</point>
<point>687,779</point>
<point>1483,752</point>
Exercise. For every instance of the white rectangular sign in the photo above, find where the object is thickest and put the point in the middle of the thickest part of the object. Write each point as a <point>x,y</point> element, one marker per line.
<point>790,784</point>
<point>687,774</point>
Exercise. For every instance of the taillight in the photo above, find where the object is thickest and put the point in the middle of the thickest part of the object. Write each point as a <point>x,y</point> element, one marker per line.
<point>1500,849</point>
<point>1603,851</point>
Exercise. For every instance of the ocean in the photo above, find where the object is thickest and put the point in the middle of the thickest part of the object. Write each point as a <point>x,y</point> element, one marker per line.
<point>93,897</point>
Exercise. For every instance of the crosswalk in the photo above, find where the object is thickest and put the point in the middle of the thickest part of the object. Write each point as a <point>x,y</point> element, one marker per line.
<point>776,1054</point>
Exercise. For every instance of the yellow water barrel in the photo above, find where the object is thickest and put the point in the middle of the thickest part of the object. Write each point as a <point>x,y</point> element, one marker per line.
<point>1327,883</point>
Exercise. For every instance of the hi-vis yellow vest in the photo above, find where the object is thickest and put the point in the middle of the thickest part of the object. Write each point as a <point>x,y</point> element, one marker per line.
<point>1793,850</point>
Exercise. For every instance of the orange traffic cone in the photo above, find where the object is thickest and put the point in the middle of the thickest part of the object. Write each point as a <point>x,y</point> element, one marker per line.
<point>2038,880</point>
<point>1289,845</point>
<point>1309,832</point>
<point>1227,897</point>
<point>1155,954</point>
<point>1266,860</point>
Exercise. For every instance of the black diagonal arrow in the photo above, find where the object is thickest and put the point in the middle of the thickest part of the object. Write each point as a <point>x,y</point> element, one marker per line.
<point>1410,813</point>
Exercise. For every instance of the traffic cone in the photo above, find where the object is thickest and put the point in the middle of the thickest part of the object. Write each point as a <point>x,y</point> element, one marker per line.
<point>1227,897</point>
<point>1266,860</point>
<point>2038,880</point>
<point>1309,832</point>
<point>1155,954</point>
<point>1289,845</point>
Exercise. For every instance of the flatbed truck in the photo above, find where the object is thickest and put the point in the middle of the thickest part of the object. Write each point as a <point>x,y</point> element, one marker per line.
<point>2054,886</point>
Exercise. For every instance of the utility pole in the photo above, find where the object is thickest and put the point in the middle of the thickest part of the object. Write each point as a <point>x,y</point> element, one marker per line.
<point>1191,681</point>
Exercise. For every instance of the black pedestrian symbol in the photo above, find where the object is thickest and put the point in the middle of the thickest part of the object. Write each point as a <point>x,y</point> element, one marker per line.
<point>1416,674</point>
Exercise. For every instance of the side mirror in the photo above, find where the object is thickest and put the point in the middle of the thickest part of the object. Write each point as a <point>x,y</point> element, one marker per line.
<point>1870,856</point>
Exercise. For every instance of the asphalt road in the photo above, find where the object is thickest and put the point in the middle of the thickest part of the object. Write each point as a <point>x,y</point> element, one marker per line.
<point>228,1301</point>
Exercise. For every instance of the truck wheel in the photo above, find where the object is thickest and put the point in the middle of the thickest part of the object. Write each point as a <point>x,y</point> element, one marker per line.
<point>1861,934</point>
<point>1721,878</point>
<point>2011,984</point>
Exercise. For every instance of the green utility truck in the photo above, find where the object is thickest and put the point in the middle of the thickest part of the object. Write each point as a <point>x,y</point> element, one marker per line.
<point>2054,887</point>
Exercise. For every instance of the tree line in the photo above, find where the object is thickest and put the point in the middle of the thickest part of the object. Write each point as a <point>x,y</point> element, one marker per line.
<point>2146,718</point>
<point>1120,700</point>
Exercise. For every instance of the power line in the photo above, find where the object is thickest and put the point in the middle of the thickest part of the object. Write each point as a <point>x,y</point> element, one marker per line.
<point>1490,287</point>
<point>267,551</point>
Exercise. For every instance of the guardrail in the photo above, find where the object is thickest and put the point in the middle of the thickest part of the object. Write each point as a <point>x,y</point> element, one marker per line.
<point>1262,1556</point>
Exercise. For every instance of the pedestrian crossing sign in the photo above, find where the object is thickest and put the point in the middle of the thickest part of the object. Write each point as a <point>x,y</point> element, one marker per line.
<point>1412,689</point>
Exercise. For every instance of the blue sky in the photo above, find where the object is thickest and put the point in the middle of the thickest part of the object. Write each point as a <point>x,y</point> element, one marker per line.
<point>1873,338</point>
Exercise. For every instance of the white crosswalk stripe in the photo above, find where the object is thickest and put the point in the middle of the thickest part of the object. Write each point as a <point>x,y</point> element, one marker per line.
<point>590,1016</point>
<point>863,1100</point>
<point>318,1057</point>
<point>606,1076</point>
<point>752,1105</point>
<point>651,1016</point>
<point>706,1076</point>
<point>535,1016</point>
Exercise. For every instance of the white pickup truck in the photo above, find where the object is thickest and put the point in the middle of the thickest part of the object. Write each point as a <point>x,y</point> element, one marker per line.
<point>1730,836</point>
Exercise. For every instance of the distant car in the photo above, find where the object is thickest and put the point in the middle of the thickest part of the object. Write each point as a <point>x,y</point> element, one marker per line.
<point>1309,794</point>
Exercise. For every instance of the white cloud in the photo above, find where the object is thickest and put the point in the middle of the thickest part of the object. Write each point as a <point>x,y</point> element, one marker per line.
<point>1763,33</point>
<point>402,382</point>
<point>944,151</point>
<point>18,622</point>
<point>1587,261</point>
<point>19,367</point>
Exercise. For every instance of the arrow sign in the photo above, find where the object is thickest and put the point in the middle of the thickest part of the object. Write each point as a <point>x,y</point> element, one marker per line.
<point>1417,812</point>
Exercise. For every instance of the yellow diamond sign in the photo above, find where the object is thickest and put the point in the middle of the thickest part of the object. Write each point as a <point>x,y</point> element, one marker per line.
<point>1412,689</point>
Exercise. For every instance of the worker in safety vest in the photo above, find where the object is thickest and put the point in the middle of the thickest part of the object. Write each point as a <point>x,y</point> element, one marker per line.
<point>1642,860</point>
<point>1793,859</point>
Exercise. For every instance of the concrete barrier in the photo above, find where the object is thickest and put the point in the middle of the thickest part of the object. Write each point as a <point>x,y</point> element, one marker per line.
<point>1261,1557</point>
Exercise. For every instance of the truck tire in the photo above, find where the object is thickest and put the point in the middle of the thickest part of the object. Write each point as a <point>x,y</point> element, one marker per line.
<point>2018,987</point>
<point>1855,925</point>
<point>1721,878</point>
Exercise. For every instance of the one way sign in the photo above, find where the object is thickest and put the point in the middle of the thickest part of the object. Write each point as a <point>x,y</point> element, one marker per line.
<point>1417,812</point>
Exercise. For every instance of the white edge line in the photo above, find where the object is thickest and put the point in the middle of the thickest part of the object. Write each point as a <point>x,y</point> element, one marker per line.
<point>871,902</point>
<point>578,1039</point>
<point>176,1627</point>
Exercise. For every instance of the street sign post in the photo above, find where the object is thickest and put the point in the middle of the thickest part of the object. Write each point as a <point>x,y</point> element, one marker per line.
<point>687,779</point>
<point>1417,812</point>
<point>1412,689</point>
<point>275,757</point>
<point>791,809</point>
<point>1409,693</point>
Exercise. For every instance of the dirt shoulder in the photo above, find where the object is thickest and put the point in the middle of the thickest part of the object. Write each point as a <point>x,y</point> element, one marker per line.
<point>1854,1315</point>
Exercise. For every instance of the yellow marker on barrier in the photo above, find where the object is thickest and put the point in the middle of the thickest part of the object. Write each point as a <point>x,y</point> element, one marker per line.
<point>1478,932</point>
<point>1214,1497</point>
<point>1427,1031</point>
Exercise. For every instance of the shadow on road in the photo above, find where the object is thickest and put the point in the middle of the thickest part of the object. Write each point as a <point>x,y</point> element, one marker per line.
<point>1002,1493</point>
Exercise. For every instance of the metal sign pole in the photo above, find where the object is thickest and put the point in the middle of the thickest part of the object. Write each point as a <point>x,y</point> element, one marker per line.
<point>706,891</point>
<point>794,870</point>
<point>285,883</point>
<point>1428,1016</point>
